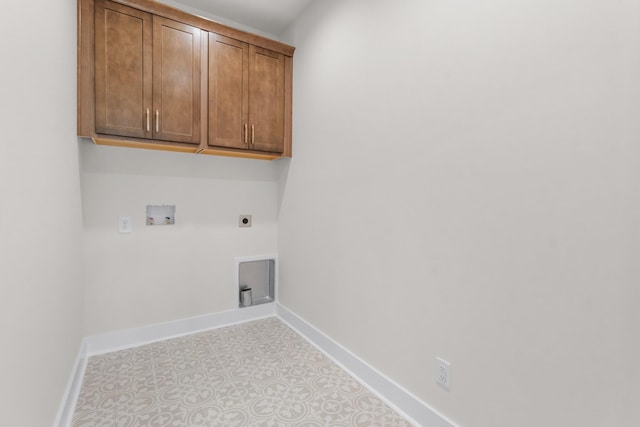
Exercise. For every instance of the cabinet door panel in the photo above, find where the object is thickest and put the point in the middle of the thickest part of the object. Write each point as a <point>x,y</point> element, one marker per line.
<point>266,99</point>
<point>228,92</point>
<point>123,69</point>
<point>176,81</point>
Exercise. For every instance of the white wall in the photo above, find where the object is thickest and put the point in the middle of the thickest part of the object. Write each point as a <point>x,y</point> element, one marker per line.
<point>466,184</point>
<point>162,273</point>
<point>40,211</point>
<point>216,18</point>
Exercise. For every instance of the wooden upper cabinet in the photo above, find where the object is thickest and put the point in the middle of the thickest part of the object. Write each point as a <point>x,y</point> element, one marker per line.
<point>176,81</point>
<point>228,92</point>
<point>266,100</point>
<point>151,76</point>
<point>123,70</point>
<point>246,96</point>
<point>147,75</point>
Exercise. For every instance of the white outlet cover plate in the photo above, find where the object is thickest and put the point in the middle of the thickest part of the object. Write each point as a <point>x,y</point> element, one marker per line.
<point>124,224</point>
<point>443,373</point>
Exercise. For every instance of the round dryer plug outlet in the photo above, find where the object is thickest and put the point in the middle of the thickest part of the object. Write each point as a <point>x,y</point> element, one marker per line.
<point>244,221</point>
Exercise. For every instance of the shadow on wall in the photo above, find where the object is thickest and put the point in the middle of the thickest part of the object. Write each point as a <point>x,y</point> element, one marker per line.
<point>283,177</point>
<point>131,161</point>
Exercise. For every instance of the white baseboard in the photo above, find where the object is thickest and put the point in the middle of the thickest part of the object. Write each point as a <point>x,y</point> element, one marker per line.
<point>70,397</point>
<point>408,405</point>
<point>119,340</point>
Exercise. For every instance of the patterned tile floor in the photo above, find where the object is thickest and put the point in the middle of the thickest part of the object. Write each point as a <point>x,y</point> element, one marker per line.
<point>259,373</point>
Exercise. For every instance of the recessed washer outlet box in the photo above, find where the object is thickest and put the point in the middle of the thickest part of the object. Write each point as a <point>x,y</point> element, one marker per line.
<point>161,214</point>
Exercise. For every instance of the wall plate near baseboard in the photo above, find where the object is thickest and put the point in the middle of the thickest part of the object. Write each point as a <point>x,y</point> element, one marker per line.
<point>400,399</point>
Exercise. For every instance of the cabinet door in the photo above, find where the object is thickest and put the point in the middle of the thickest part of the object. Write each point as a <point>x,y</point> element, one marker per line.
<point>228,92</point>
<point>123,70</point>
<point>266,100</point>
<point>176,81</point>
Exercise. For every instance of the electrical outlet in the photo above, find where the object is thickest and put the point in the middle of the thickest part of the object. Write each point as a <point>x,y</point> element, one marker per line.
<point>124,224</point>
<point>443,373</point>
<point>244,221</point>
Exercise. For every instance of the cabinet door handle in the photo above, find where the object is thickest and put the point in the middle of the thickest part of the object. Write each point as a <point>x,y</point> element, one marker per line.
<point>253,135</point>
<point>246,133</point>
<point>148,128</point>
<point>157,121</point>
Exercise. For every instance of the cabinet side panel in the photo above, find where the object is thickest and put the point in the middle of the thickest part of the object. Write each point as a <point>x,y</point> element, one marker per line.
<point>288,106</point>
<point>85,64</point>
<point>204,89</point>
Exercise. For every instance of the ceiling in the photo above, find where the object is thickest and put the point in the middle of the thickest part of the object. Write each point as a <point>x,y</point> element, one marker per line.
<point>269,16</point>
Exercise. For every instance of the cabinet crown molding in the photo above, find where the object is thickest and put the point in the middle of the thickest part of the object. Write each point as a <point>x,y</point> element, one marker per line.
<point>206,24</point>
